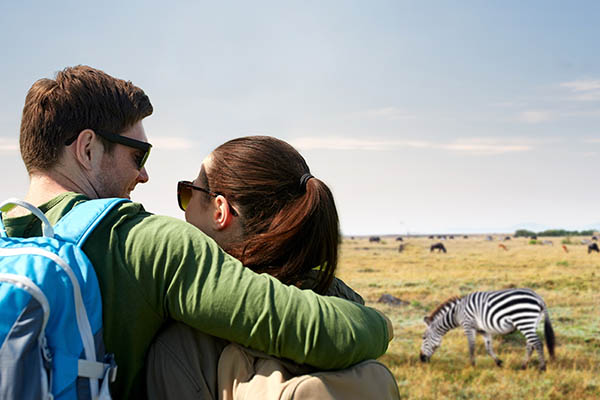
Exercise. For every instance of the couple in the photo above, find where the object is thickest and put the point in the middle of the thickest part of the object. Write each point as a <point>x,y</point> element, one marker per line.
<point>82,137</point>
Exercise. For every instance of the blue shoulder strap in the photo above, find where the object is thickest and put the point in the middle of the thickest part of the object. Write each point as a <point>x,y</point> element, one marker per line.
<point>78,223</point>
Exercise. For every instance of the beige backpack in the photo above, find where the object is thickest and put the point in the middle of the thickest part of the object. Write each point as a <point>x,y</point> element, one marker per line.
<point>246,374</point>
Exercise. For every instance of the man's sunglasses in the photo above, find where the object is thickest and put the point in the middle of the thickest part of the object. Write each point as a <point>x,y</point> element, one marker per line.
<point>129,142</point>
<point>184,195</point>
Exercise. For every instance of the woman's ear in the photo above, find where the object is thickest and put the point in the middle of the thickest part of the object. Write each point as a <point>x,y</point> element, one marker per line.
<point>222,216</point>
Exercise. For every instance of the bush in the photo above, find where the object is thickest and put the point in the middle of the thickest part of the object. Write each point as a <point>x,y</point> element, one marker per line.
<point>533,241</point>
<point>553,232</point>
<point>524,233</point>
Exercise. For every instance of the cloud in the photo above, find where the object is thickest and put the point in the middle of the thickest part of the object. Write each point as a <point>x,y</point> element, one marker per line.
<point>392,113</point>
<point>565,100</point>
<point>172,143</point>
<point>486,146</point>
<point>475,146</point>
<point>585,90</point>
<point>582,85</point>
<point>341,143</point>
<point>9,145</point>
<point>592,140</point>
<point>535,116</point>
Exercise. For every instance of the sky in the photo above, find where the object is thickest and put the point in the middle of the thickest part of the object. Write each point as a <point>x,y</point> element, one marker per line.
<point>422,117</point>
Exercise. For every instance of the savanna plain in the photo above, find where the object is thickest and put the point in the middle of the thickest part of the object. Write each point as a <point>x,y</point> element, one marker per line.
<point>568,280</point>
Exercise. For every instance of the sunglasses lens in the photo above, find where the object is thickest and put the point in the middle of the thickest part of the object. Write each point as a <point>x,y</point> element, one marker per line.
<point>184,194</point>
<point>144,159</point>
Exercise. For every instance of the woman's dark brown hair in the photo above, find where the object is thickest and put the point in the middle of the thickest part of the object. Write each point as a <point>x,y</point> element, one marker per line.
<point>289,228</point>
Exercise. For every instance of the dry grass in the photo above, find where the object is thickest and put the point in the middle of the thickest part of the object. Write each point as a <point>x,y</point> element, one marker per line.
<point>568,282</point>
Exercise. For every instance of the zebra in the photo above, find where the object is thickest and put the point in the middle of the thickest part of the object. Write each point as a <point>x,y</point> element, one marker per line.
<point>487,313</point>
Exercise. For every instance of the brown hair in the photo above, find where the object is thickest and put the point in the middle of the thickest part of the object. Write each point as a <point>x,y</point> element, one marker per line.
<point>289,228</point>
<point>78,98</point>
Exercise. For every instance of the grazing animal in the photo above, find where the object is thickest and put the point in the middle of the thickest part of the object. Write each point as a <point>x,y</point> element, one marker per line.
<point>503,247</point>
<point>594,238</point>
<point>507,238</point>
<point>430,236</point>
<point>374,239</point>
<point>400,248</point>
<point>547,242</point>
<point>399,239</point>
<point>497,312</point>
<point>534,237</point>
<point>565,248</point>
<point>438,246</point>
<point>593,247</point>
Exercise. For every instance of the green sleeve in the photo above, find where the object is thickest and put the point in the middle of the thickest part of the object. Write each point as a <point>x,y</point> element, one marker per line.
<point>190,279</point>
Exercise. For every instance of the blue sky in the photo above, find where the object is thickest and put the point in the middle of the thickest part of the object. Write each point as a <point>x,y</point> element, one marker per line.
<point>421,116</point>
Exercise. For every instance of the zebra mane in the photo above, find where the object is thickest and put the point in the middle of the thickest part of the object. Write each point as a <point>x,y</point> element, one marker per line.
<point>439,308</point>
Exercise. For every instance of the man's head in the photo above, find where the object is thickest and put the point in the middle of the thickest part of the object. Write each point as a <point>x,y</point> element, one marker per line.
<point>86,126</point>
<point>78,98</point>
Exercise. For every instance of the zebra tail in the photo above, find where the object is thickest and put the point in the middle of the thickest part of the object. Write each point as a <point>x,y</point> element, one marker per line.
<point>549,334</point>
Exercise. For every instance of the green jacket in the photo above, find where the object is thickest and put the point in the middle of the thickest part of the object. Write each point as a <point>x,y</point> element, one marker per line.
<point>154,268</point>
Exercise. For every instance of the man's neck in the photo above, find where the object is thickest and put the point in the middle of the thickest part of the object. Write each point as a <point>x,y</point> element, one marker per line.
<point>42,189</point>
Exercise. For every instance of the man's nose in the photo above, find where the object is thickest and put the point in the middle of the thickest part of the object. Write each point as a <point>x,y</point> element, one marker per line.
<point>143,175</point>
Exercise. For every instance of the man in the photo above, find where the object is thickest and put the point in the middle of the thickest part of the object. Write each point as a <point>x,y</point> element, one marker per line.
<point>81,138</point>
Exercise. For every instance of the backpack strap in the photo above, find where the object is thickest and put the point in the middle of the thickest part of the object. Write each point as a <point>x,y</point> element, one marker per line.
<point>75,227</point>
<point>78,223</point>
<point>9,204</point>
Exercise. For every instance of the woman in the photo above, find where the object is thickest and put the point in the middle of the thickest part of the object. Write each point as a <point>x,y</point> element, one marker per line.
<point>256,198</point>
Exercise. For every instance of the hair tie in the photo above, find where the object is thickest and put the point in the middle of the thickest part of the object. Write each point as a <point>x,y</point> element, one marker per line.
<point>304,179</point>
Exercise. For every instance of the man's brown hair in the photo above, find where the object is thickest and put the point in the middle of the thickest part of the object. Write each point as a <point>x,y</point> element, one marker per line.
<point>290,226</point>
<point>79,98</point>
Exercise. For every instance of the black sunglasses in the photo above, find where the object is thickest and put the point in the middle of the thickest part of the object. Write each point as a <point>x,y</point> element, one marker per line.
<point>184,195</point>
<point>129,142</point>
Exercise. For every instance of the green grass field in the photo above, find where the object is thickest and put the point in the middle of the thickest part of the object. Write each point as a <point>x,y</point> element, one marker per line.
<point>568,282</point>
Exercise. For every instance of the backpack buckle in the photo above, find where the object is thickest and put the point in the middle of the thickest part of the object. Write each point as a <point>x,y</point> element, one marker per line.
<point>112,367</point>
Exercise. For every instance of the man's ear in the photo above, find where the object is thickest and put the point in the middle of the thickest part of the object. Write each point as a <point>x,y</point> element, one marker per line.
<point>222,216</point>
<point>87,150</point>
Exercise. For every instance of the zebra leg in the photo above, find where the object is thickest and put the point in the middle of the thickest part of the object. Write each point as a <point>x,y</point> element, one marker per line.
<point>487,338</point>
<point>540,350</point>
<point>528,355</point>
<point>470,332</point>
<point>533,342</point>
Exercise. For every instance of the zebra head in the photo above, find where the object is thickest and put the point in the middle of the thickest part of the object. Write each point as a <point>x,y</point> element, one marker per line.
<point>431,340</point>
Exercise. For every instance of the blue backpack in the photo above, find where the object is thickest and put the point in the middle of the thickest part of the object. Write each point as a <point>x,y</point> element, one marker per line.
<point>51,311</point>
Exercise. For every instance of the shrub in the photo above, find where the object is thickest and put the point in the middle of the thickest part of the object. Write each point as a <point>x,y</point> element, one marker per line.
<point>524,233</point>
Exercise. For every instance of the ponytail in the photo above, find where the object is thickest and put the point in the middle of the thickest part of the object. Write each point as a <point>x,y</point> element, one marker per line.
<point>289,219</point>
<point>302,236</point>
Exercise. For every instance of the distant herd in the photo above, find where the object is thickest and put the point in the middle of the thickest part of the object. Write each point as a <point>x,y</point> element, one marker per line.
<point>592,245</point>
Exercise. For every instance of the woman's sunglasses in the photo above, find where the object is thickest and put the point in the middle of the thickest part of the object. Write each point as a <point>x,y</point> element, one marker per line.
<point>184,195</point>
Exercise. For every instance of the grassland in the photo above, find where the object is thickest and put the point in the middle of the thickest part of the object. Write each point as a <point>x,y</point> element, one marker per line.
<point>569,283</point>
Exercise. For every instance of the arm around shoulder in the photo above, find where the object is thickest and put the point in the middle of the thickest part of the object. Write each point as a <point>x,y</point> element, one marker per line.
<point>209,290</point>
